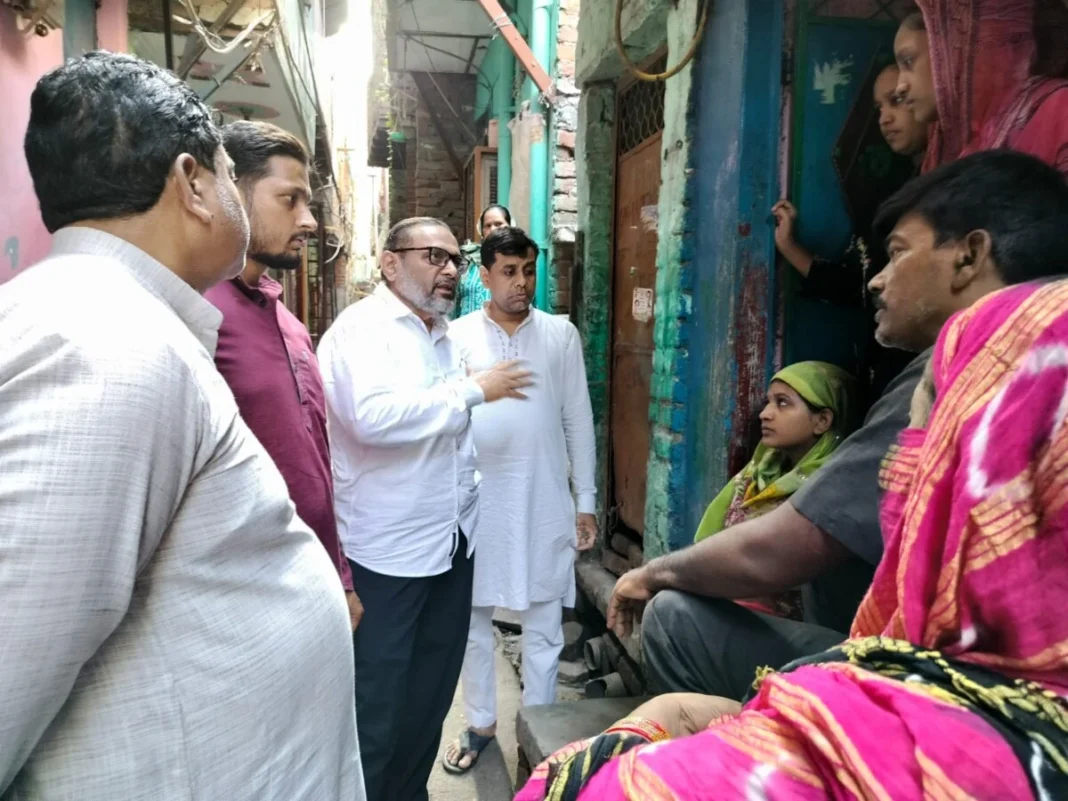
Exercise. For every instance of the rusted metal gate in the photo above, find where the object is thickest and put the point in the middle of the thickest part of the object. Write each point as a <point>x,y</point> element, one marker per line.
<point>638,136</point>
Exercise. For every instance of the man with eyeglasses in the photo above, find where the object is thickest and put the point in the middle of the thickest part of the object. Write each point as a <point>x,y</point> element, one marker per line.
<point>399,399</point>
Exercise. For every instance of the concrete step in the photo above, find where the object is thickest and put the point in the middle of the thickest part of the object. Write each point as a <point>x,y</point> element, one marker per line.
<point>541,730</point>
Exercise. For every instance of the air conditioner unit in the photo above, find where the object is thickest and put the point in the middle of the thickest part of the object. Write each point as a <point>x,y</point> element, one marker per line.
<point>480,187</point>
<point>37,16</point>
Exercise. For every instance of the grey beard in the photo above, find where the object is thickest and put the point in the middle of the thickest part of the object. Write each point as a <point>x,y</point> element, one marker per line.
<point>424,301</point>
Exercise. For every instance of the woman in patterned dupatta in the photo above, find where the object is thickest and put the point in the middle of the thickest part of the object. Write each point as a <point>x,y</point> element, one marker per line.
<point>808,415</point>
<point>988,74</point>
<point>976,519</point>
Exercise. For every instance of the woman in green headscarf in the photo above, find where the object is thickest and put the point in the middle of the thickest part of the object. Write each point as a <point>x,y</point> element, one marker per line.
<point>808,415</point>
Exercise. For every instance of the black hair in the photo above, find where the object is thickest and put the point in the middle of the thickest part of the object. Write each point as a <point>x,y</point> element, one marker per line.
<point>1021,202</point>
<point>508,241</point>
<point>400,234</point>
<point>482,217</point>
<point>252,143</point>
<point>104,132</point>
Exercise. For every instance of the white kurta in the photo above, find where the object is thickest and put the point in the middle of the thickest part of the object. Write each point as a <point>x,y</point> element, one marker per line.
<point>526,531</point>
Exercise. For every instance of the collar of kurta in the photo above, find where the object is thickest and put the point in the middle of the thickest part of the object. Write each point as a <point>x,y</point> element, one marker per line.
<point>199,316</point>
<point>398,310</point>
<point>520,327</point>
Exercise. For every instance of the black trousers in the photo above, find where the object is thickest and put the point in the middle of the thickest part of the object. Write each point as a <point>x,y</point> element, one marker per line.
<point>714,646</point>
<point>409,649</point>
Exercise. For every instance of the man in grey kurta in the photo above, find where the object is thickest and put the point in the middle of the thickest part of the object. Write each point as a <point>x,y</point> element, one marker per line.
<point>170,629</point>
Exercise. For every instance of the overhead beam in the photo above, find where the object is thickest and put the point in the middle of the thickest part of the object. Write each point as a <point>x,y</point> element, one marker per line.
<point>524,55</point>
<point>194,45</point>
<point>443,35</point>
<point>421,80</point>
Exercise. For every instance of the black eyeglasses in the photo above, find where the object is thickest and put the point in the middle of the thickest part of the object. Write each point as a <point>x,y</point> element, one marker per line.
<point>439,257</point>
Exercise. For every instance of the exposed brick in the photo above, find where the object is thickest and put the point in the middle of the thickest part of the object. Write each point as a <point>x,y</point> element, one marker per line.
<point>564,186</point>
<point>565,168</point>
<point>566,139</point>
<point>565,203</point>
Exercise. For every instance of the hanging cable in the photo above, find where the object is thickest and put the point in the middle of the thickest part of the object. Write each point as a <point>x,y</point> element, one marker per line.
<point>215,43</point>
<point>659,76</point>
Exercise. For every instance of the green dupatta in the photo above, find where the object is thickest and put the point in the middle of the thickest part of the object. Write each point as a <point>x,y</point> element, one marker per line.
<point>763,483</point>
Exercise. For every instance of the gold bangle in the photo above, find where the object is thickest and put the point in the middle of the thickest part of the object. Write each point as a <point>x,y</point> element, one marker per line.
<point>643,727</point>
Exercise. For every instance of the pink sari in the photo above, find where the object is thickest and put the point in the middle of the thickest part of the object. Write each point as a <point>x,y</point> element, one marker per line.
<point>976,521</point>
<point>1000,71</point>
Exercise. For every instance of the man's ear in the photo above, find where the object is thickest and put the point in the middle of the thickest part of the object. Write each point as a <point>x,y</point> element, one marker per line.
<point>483,272</point>
<point>389,266</point>
<point>191,179</point>
<point>973,259</point>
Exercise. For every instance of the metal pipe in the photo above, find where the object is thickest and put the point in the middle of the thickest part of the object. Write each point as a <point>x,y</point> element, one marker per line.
<point>528,56</point>
<point>502,110</point>
<point>168,36</point>
<point>541,46</point>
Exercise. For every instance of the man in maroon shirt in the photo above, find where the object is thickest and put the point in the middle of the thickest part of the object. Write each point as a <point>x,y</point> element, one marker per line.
<point>264,352</point>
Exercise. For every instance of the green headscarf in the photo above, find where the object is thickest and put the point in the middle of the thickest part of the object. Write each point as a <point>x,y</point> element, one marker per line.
<point>763,482</point>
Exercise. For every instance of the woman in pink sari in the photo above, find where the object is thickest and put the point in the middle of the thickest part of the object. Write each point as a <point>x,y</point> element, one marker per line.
<point>953,683</point>
<point>988,74</point>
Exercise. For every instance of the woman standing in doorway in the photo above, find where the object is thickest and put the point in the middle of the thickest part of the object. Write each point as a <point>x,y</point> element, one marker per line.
<point>471,294</point>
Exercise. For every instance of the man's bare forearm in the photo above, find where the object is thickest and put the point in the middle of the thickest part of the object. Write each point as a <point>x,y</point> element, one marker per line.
<point>773,553</point>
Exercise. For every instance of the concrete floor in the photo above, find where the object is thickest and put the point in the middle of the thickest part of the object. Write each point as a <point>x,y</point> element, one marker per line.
<point>491,779</point>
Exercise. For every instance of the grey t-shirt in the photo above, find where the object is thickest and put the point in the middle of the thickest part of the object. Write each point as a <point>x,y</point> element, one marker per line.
<point>842,499</point>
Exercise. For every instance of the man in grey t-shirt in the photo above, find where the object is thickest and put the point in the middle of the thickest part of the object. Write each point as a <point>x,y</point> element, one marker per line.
<point>942,232</point>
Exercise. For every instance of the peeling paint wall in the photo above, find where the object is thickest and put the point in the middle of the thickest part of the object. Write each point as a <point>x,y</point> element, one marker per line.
<point>731,332</point>
<point>669,405</point>
<point>714,333</point>
<point>595,164</point>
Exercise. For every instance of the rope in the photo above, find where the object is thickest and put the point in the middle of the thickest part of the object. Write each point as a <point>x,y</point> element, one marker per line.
<point>660,76</point>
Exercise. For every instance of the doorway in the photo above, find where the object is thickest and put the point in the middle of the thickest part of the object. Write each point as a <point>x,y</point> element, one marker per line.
<point>639,130</point>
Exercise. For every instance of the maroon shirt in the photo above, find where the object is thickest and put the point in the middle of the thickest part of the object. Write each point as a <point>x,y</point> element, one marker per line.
<point>266,356</point>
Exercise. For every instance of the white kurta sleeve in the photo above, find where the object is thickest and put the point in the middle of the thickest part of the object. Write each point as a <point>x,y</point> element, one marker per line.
<point>578,425</point>
<point>95,461</point>
<point>356,380</point>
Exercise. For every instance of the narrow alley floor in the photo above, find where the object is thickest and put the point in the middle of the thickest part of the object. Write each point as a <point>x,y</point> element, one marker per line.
<point>492,778</point>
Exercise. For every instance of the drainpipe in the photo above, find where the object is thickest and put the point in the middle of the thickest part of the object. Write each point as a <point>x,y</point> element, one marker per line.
<point>502,110</point>
<point>541,46</point>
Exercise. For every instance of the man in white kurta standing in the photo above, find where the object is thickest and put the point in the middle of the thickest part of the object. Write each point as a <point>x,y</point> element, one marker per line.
<point>537,461</point>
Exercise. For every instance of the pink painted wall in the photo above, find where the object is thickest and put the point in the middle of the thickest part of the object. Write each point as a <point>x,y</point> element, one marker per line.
<point>23,59</point>
<point>112,26</point>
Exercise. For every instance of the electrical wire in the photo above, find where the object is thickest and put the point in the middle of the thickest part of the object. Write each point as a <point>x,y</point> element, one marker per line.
<point>214,42</point>
<point>659,76</point>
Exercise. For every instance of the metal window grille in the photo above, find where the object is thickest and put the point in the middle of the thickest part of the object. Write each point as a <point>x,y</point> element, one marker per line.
<point>640,111</point>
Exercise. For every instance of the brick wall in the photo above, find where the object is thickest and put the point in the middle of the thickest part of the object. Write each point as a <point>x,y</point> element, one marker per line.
<point>429,185</point>
<point>564,190</point>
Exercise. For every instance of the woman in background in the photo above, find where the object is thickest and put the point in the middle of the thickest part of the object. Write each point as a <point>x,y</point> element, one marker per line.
<point>987,74</point>
<point>471,293</point>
